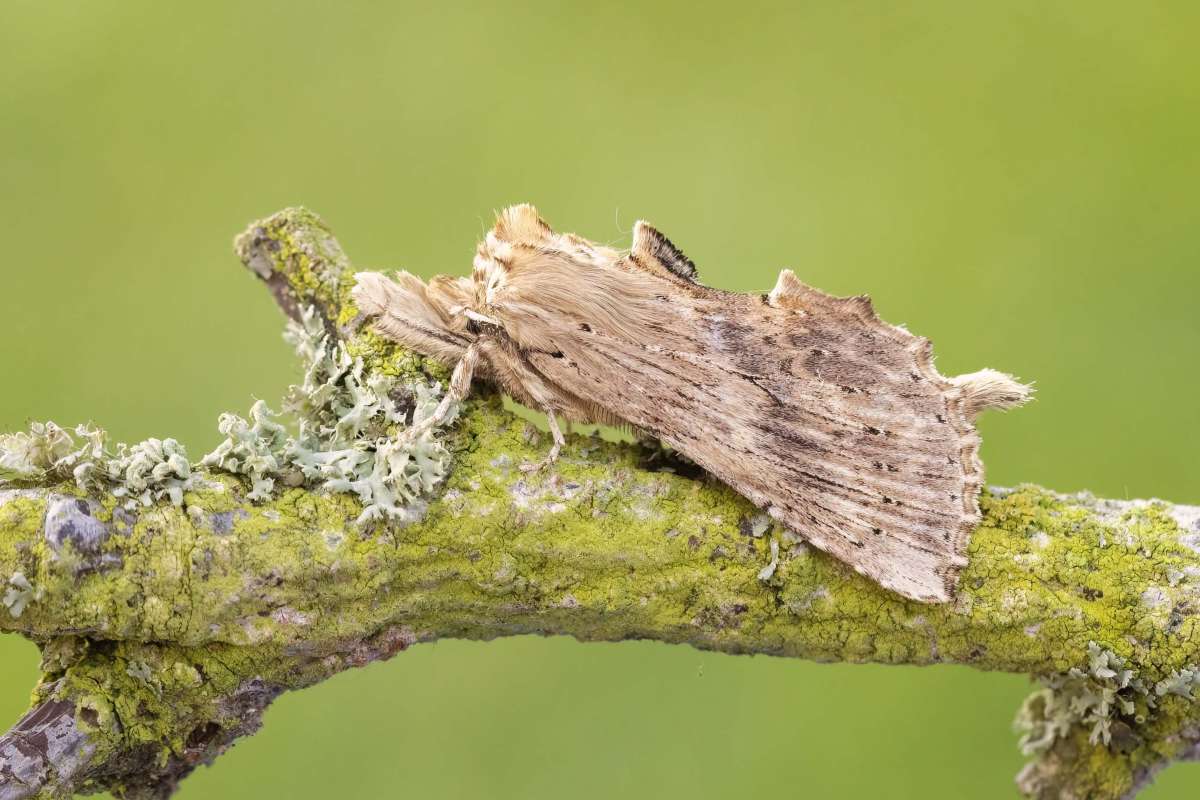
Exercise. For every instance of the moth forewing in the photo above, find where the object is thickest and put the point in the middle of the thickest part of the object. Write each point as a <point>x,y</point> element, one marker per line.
<point>847,472</point>
<point>835,422</point>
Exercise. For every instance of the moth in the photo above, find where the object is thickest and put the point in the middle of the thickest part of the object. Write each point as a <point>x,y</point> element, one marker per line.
<point>834,422</point>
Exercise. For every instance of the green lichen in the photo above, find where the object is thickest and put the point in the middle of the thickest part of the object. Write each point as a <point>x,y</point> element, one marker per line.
<point>600,547</point>
<point>384,357</point>
<point>135,697</point>
<point>297,245</point>
<point>21,520</point>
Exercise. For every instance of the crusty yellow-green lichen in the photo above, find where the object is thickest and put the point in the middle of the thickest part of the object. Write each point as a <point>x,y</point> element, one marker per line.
<point>600,548</point>
<point>302,249</point>
<point>385,357</point>
<point>147,695</point>
<point>20,551</point>
<point>596,534</point>
<point>20,528</point>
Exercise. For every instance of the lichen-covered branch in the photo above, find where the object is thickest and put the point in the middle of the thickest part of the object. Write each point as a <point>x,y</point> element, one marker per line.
<point>167,627</point>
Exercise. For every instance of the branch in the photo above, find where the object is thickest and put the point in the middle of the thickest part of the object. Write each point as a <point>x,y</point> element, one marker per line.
<point>166,631</point>
<point>46,749</point>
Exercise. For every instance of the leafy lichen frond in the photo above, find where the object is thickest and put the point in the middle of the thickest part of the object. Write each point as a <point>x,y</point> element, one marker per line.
<point>1106,692</point>
<point>142,473</point>
<point>348,438</point>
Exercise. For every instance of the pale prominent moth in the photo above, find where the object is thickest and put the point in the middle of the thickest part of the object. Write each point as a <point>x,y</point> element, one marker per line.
<point>833,421</point>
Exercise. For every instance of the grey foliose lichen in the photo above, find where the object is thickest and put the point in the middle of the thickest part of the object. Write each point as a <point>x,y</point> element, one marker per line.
<point>18,594</point>
<point>30,455</point>
<point>1181,682</point>
<point>254,448</point>
<point>1089,697</point>
<point>353,434</point>
<point>1107,691</point>
<point>142,473</point>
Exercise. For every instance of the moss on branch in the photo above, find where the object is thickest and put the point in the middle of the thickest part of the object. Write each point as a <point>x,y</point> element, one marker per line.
<point>167,629</point>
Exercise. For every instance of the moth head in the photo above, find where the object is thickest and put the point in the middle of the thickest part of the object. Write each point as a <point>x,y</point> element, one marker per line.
<point>534,280</point>
<point>522,242</point>
<point>521,224</point>
<point>516,226</point>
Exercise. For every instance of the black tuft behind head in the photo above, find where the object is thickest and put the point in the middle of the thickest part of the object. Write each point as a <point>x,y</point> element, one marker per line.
<point>649,242</point>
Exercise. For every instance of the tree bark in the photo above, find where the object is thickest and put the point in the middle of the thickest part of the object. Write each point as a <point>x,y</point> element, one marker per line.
<point>167,631</point>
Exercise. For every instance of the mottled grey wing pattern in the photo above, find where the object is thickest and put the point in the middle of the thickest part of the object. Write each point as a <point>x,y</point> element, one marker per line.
<point>833,421</point>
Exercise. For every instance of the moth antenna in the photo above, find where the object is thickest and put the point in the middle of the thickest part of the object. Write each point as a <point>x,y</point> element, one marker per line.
<point>650,244</point>
<point>521,224</point>
<point>990,389</point>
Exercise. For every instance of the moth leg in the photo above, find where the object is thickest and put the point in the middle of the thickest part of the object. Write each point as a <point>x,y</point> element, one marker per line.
<point>460,386</point>
<point>559,441</point>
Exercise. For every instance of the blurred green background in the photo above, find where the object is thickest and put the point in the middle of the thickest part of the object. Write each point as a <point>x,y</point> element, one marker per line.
<point>1016,180</point>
